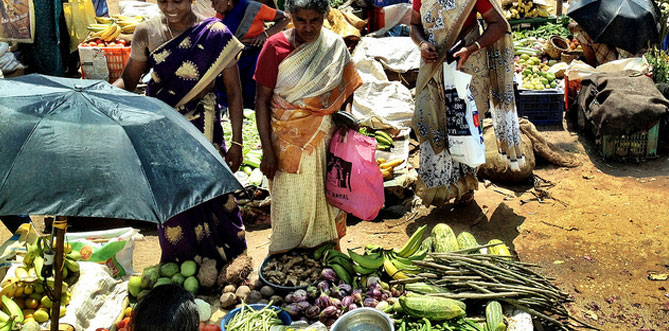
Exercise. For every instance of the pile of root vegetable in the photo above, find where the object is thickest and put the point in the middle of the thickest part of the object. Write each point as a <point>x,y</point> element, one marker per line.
<point>292,270</point>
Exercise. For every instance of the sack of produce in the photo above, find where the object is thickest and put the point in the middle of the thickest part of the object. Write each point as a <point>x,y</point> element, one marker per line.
<point>354,182</point>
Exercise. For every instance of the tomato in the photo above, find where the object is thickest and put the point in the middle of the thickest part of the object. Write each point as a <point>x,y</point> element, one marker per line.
<point>101,329</point>
<point>211,327</point>
<point>122,42</point>
<point>124,323</point>
<point>92,44</point>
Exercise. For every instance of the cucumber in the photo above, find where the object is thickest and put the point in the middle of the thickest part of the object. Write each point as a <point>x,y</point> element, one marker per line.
<point>434,308</point>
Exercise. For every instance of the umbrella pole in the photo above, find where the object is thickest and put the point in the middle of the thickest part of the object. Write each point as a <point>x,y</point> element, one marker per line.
<point>60,224</point>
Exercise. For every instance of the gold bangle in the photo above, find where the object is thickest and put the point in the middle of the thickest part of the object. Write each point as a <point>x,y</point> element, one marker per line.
<point>420,43</point>
<point>236,143</point>
<point>477,45</point>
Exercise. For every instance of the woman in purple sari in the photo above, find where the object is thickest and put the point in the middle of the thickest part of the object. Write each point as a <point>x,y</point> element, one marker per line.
<point>187,54</point>
<point>246,19</point>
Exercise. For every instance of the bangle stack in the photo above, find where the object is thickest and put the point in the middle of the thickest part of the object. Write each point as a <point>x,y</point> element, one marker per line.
<point>421,43</point>
<point>478,46</point>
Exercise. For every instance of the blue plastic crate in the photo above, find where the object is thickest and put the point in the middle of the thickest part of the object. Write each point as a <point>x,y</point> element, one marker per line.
<point>383,3</point>
<point>541,107</point>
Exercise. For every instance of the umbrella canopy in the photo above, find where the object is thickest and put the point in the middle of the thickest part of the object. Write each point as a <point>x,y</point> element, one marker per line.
<point>627,24</point>
<point>75,147</point>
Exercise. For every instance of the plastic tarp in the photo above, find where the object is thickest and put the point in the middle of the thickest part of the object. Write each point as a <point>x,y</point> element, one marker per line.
<point>379,102</point>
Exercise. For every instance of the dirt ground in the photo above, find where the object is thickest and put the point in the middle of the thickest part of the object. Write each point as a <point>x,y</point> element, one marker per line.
<point>600,242</point>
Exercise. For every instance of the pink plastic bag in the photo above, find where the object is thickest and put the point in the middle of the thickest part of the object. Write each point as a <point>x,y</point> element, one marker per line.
<point>354,182</point>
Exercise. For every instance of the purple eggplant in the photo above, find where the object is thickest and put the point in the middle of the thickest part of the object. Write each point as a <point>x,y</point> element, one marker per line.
<point>336,302</point>
<point>299,295</point>
<point>371,281</point>
<point>293,310</point>
<point>330,322</point>
<point>345,288</point>
<point>329,274</point>
<point>357,297</point>
<point>312,312</point>
<point>312,292</point>
<point>289,298</point>
<point>370,302</point>
<point>352,306</point>
<point>327,313</point>
<point>347,301</point>
<point>323,301</point>
<point>395,292</point>
<point>304,305</point>
<point>375,293</point>
<point>324,287</point>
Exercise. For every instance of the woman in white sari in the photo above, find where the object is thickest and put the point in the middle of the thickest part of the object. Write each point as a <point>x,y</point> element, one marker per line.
<point>304,75</point>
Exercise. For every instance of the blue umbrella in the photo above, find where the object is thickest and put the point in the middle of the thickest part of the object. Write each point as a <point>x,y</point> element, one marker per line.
<point>85,148</point>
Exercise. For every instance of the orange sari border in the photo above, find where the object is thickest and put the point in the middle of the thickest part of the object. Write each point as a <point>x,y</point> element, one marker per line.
<point>297,129</point>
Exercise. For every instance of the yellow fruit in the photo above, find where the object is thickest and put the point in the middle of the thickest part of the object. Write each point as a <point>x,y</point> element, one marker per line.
<point>41,316</point>
<point>28,313</point>
<point>19,291</point>
<point>46,302</point>
<point>127,312</point>
<point>31,303</point>
<point>63,311</point>
<point>28,289</point>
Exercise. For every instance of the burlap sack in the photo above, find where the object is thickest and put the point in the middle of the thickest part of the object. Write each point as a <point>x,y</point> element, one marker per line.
<point>496,167</point>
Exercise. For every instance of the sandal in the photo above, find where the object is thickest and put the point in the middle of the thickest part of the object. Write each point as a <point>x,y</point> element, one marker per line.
<point>465,200</point>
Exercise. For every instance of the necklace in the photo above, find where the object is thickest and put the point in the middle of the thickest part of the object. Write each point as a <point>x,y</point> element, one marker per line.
<point>168,28</point>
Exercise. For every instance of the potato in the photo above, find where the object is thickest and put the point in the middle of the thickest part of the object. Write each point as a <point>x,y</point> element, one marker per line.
<point>276,300</point>
<point>253,297</point>
<point>242,292</point>
<point>229,289</point>
<point>266,291</point>
<point>228,300</point>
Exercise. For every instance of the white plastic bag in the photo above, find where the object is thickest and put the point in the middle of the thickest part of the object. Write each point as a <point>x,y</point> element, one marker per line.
<point>465,138</point>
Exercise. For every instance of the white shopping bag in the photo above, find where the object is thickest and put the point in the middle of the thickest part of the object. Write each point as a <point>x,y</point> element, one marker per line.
<point>465,138</point>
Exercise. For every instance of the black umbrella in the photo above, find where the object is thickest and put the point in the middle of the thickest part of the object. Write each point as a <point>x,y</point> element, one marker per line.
<point>85,148</point>
<point>627,24</point>
<point>74,147</point>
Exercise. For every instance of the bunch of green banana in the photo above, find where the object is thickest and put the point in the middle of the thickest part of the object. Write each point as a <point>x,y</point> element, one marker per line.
<point>11,314</point>
<point>340,263</point>
<point>384,140</point>
<point>398,262</point>
<point>368,263</point>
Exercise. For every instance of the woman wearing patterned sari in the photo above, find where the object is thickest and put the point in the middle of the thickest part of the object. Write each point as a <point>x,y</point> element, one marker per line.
<point>187,53</point>
<point>246,19</point>
<point>304,75</point>
<point>436,26</point>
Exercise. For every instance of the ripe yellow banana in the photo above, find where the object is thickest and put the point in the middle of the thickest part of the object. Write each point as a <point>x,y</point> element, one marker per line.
<point>129,29</point>
<point>114,35</point>
<point>104,20</point>
<point>392,270</point>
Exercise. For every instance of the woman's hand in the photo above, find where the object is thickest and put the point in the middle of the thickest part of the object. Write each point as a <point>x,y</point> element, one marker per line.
<point>269,163</point>
<point>234,157</point>
<point>428,52</point>
<point>257,41</point>
<point>462,55</point>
